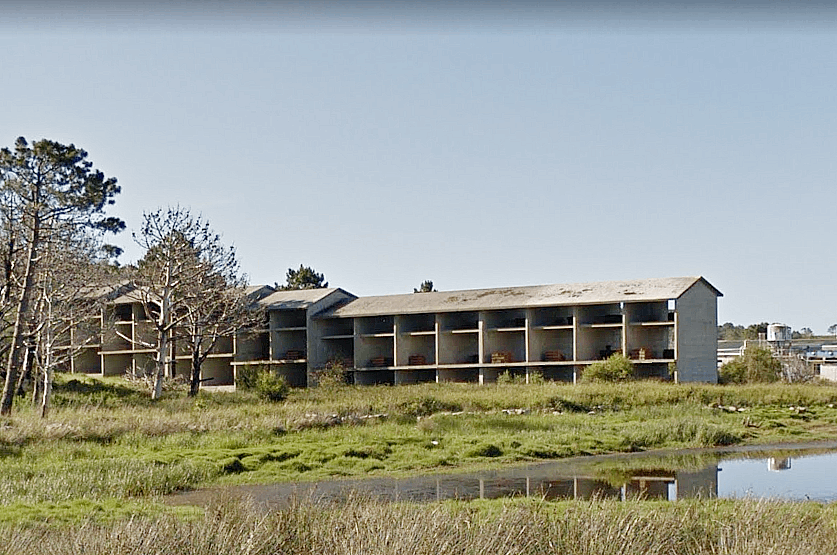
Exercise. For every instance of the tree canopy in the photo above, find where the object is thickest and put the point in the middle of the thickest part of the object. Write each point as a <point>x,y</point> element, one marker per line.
<point>303,278</point>
<point>425,287</point>
<point>50,194</point>
<point>190,283</point>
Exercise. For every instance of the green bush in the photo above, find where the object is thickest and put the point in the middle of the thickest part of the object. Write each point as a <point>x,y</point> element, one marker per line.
<point>427,405</point>
<point>755,365</point>
<point>247,375</point>
<point>507,377</point>
<point>272,387</point>
<point>617,368</point>
<point>334,374</point>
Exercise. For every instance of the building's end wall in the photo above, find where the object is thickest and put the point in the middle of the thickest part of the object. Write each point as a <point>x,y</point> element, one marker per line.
<point>318,352</point>
<point>697,335</point>
<point>828,372</point>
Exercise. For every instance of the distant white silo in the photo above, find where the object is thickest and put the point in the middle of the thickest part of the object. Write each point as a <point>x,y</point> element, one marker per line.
<point>778,333</point>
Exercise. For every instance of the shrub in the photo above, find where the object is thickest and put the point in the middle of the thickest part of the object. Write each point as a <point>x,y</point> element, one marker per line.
<point>427,405</point>
<point>333,375</point>
<point>271,386</point>
<point>509,378</point>
<point>755,365</point>
<point>617,368</point>
<point>247,375</point>
<point>520,378</point>
<point>484,450</point>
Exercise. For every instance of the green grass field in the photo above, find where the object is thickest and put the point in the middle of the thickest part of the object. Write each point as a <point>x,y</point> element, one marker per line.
<point>106,444</point>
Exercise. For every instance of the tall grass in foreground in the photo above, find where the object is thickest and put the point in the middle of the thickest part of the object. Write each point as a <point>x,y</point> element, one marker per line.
<point>368,528</point>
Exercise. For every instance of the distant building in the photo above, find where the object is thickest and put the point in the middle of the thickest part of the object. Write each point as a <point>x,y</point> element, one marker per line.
<point>471,335</point>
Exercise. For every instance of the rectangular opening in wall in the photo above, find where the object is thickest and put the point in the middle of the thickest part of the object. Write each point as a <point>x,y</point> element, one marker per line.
<point>296,375</point>
<point>404,377</point>
<point>459,348</point>
<point>87,361</point>
<point>503,346</point>
<point>374,377</point>
<point>335,327</point>
<point>416,350</point>
<point>283,319</point>
<point>556,373</point>
<point>252,344</point>
<point>118,338</point>
<point>650,312</point>
<point>460,321</point>
<point>465,375</point>
<point>505,319</point>
<point>652,371</point>
<point>647,343</point>
<point>121,313</point>
<point>559,316</point>
<point>599,343</point>
<point>417,323</point>
<point>375,325</point>
<point>601,314</point>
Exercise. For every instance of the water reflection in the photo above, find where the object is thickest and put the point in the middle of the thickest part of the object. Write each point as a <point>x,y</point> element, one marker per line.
<point>789,474</point>
<point>803,476</point>
<point>778,465</point>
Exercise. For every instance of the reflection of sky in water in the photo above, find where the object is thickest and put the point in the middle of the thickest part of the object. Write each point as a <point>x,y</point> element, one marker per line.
<point>814,477</point>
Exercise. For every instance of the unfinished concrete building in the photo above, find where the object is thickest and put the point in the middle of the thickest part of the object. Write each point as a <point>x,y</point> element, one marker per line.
<point>662,325</point>
<point>285,343</point>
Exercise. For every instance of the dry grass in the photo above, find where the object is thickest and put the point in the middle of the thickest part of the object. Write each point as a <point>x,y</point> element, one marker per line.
<point>366,528</point>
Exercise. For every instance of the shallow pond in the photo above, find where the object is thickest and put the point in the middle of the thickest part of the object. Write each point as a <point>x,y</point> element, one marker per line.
<point>789,472</point>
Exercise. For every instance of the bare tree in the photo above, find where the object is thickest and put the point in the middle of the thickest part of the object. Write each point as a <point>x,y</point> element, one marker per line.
<point>50,186</point>
<point>796,369</point>
<point>71,284</point>
<point>190,286</point>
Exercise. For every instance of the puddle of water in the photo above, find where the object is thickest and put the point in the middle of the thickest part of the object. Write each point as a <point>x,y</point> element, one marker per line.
<point>790,473</point>
<point>795,477</point>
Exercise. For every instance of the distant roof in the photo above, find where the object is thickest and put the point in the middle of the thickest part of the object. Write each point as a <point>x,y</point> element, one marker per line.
<point>659,289</point>
<point>250,289</point>
<point>106,292</point>
<point>296,298</point>
<point>131,294</point>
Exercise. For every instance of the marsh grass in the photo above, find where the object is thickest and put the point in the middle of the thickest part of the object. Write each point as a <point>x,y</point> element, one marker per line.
<point>520,527</point>
<point>106,440</point>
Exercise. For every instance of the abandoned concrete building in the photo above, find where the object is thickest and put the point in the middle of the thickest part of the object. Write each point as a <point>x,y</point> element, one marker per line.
<point>666,326</point>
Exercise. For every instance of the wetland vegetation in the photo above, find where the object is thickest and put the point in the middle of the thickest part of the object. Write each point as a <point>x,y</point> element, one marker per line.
<point>107,454</point>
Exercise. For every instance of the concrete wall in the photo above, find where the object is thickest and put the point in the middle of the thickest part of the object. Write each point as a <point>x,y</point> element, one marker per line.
<point>697,335</point>
<point>828,371</point>
<point>320,351</point>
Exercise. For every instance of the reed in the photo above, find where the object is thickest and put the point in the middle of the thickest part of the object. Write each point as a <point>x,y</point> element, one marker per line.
<point>365,527</point>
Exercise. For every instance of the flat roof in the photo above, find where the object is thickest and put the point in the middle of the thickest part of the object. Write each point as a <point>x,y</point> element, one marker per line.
<point>641,290</point>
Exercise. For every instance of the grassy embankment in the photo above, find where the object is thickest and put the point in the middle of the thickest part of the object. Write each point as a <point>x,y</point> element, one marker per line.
<point>107,448</point>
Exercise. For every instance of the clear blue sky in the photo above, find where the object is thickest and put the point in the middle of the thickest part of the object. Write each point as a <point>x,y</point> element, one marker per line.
<point>492,147</point>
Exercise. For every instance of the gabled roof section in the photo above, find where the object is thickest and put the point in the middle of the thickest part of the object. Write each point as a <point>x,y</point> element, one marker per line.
<point>258,292</point>
<point>297,298</point>
<point>107,292</point>
<point>642,290</point>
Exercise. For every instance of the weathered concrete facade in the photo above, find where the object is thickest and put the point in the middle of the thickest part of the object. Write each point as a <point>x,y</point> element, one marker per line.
<point>554,330</point>
<point>473,335</point>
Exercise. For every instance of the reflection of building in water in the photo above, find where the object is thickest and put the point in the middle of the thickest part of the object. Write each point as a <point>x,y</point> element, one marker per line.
<point>543,483</point>
<point>777,465</point>
<point>546,481</point>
